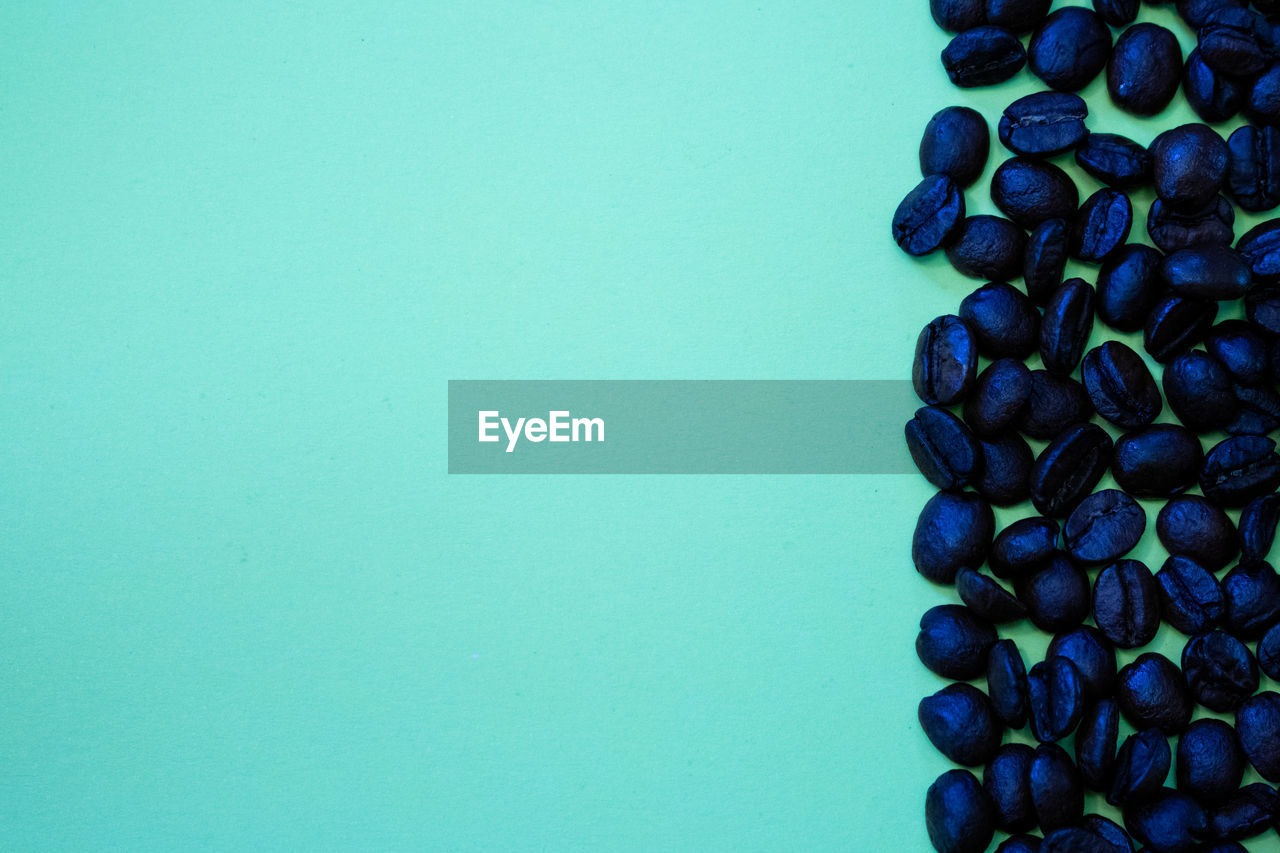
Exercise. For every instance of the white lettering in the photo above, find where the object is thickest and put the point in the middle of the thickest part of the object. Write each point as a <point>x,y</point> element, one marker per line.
<point>513,435</point>
<point>486,425</point>
<point>559,426</point>
<point>587,424</point>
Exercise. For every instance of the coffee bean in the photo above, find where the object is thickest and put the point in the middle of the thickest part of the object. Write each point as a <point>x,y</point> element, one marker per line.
<point>928,216</point>
<point>1251,600</point>
<point>956,143</point>
<point>957,15</point>
<point>1200,391</point>
<point>1103,527</point>
<point>960,723</point>
<point>1176,324</point>
<point>983,56</point>
<point>1003,320</point>
<point>1120,386</point>
<point>1262,309</point>
<point>1144,69</point>
<point>1258,727</point>
<point>1017,16</point>
<point>946,361</point>
<point>1190,596</point>
<point>1253,177</point>
<point>1073,838</point>
<point>1043,124</point>
<point>1069,48</point>
<point>1065,328</point>
<point>1007,781</point>
<point>1031,191</point>
<point>1055,699</point>
<point>1152,693</point>
<point>943,448</point>
<point>1245,814</point>
<point>989,247</point>
<point>1068,468</point>
<point>1192,526</point>
<point>1257,410</point>
<point>1126,604</point>
<point>1241,349</point>
<point>1056,596</point>
<point>987,598</point>
<point>1113,837</point>
<point>1096,743</point>
<point>1168,822</point>
<point>1115,160</point>
<point>1056,402</point>
<point>1221,672</point>
<point>1269,652</point>
<point>1207,272</point>
<point>958,814</point>
<point>1197,12</point>
<point>1234,41</point>
<point>1263,104</point>
<point>1056,789</point>
<point>1258,521</point>
<point>1156,461</point>
<point>1020,844</point>
<point>1117,13</point>
<point>1006,469</point>
<point>1093,655</point>
<point>1260,247</point>
<point>999,395</point>
<point>1189,165</point>
<point>954,641</point>
<point>953,530</point>
<point>1172,229</point>
<point>1214,97</point>
<point>1238,469</point>
<point>1140,768</point>
<point>1024,546</point>
<point>1045,259</point>
<point>1102,225</point>
<point>1210,762</point>
<point>1007,683</point>
<point>1128,285</point>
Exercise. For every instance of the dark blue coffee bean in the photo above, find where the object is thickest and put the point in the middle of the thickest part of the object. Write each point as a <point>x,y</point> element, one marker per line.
<point>1192,526</point>
<point>1104,527</point>
<point>1128,285</point>
<point>1221,672</point>
<point>1238,469</point>
<point>1207,272</point>
<point>1023,546</point>
<point>1102,225</point>
<point>1225,847</point>
<point>1007,683</point>
<point>1093,655</point>
<point>1006,469</point>
<point>1045,259</point>
<point>1157,461</point>
<point>1077,839</point>
<point>1189,165</point>
<point>1057,596</point>
<point>987,598</point>
<point>946,361</point>
<point>1030,191</point>
<point>1115,160</point>
<point>1007,781</point>
<point>1020,844</point>
<point>956,142</point>
<point>1258,727</point>
<point>1115,839</point>
<point>1235,41</point>
<point>1241,349</point>
<point>1176,324</point>
<point>1253,178</point>
<point>1096,743</point>
<point>1000,393</point>
<point>1260,246</point>
<point>958,814</point>
<point>1258,410</point>
<point>1120,386</point>
<point>1210,762</point>
<point>1251,600</point>
<point>1168,822</point>
<point>928,216</point>
<point>983,56</point>
<point>1262,309</point>
<point>1269,652</point>
<point>1214,97</point>
<point>1152,693</point>
<point>1065,328</point>
<point>1200,391</point>
<point>1055,698</point>
<point>1056,402</point>
<point>953,530</point>
<point>1043,124</point>
<point>1197,12</point>
<point>1069,48</point>
<point>1144,69</point>
<point>1056,789</point>
<point>1258,521</point>
<point>957,15</point>
<point>1068,468</point>
<point>1117,13</point>
<point>1003,320</point>
<point>1172,229</point>
<point>953,641</point>
<point>989,247</point>
<point>1263,104</point>
<point>1246,813</point>
<point>1126,604</point>
<point>943,448</point>
<point>960,722</point>
<point>1190,596</point>
<point>1017,16</point>
<point>1141,767</point>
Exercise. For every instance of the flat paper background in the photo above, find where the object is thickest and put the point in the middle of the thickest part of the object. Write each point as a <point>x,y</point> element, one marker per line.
<point>245,247</point>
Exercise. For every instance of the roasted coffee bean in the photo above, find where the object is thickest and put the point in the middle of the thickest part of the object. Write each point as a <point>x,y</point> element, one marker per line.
<point>1251,600</point>
<point>1102,225</point>
<point>1258,727</point>
<point>1238,469</point>
<point>1069,48</point>
<point>1000,393</point>
<point>1103,527</point>
<point>1157,461</point>
<point>1043,124</point>
<point>1065,328</point>
<point>1197,12</point>
<point>1263,104</point>
<point>958,814</point>
<point>1246,813</point>
<point>1190,596</point>
<point>1093,656</point>
<point>983,56</point>
<point>1258,521</point>
<point>1128,285</point>
<point>1214,97</point>
<point>1210,762</point>
<point>1152,693</point>
<point>1144,69</point>
<point>1176,324</point>
<point>1006,469</point>
<point>1120,386</point>
<point>1056,790</point>
<point>1225,847</point>
<point>1168,822</point>
<point>1253,178</point>
<point>1030,191</point>
<point>1141,767</point>
<point>1007,781</point>
<point>956,143</point>
<point>1262,309</point>
<point>1200,391</point>
<point>1221,672</point>
<point>1257,410</point>
<point>943,448</point>
<point>1007,683</point>
<point>1055,698</point>
<point>928,216</point>
<point>1260,246</point>
<point>1023,546</point>
<point>1172,229</point>
<point>960,722</point>
<point>1056,402</point>
<point>1068,468</point>
<point>953,530</point>
<point>1241,349</point>
<point>1192,526</point>
<point>1057,595</point>
<point>946,361</point>
<point>1235,41</point>
<point>1269,652</point>
<point>1072,838</point>
<point>1020,844</point>
<point>989,247</point>
<point>1189,165</point>
<point>1207,272</point>
<point>987,598</point>
<point>958,15</point>
<point>1115,839</point>
<point>1045,259</point>
<point>1096,743</point>
<point>1003,320</point>
<point>1017,16</point>
<point>1117,13</point>
<point>1115,160</point>
<point>954,641</point>
<point>1126,604</point>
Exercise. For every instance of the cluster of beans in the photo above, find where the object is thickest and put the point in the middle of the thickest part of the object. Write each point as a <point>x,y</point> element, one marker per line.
<point>1212,465</point>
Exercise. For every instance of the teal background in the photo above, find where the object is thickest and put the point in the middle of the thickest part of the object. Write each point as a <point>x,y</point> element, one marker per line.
<point>245,246</point>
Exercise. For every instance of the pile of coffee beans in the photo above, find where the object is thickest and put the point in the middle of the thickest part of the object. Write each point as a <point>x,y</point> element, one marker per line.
<point>1175,406</point>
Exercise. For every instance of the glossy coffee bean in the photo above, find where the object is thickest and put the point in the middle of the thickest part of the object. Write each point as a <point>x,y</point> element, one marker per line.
<point>1144,69</point>
<point>1007,683</point>
<point>1221,672</point>
<point>1007,781</point>
<point>1043,124</point>
<point>1195,527</point>
<point>1168,822</point>
<point>1117,13</point>
<point>954,641</point>
<point>1120,385</point>
<point>1234,41</point>
<point>1246,813</point>
<point>1020,844</point>
<point>1055,699</point>
<point>1269,652</point>
<point>946,361</point>
<point>1057,595</point>
<point>1126,604</point>
<point>1006,469</point>
<point>1152,693</point>
<point>1189,165</point>
<point>1031,191</point>
<point>943,448</point>
<point>1017,16</point>
<point>1241,349</point>
<point>1045,259</point>
<point>1190,596</point>
<point>1000,393</point>
<point>1210,762</point>
<point>956,143</point>
<point>1196,12</point>
<point>1238,469</point>
<point>1262,107</point>
<point>1024,546</point>
<point>1068,468</point>
<point>989,247</point>
<point>1003,320</point>
<point>1258,727</point>
<point>1093,655</point>
<point>987,598</point>
<point>1056,790</point>
<point>1207,272</point>
<point>1056,402</point>
<point>1156,461</point>
<point>983,56</point>
<point>953,530</point>
<point>1114,160</point>
<point>1262,309</point>
<point>1251,600</point>
<point>1172,229</point>
<point>1260,246</point>
<point>1065,327</point>
<point>929,215</point>
<point>1258,521</point>
<point>1096,743</point>
<point>1112,836</point>
<point>1140,768</point>
<point>1103,527</point>
<point>1176,324</point>
<point>957,15</point>
<point>958,814</point>
<point>1069,48</point>
<point>1102,225</point>
<point>1214,97</point>
<point>961,724</point>
<point>1253,177</point>
<point>1257,410</point>
<point>1128,285</point>
<point>1200,391</point>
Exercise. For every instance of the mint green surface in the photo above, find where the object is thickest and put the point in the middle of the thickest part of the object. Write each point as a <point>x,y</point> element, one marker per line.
<point>246,245</point>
